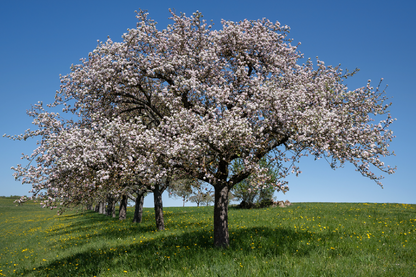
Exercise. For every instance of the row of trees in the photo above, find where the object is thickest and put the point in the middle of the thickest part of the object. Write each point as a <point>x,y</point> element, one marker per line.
<point>192,103</point>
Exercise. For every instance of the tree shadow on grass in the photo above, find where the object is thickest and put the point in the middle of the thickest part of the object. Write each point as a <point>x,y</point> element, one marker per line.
<point>118,229</point>
<point>97,226</point>
<point>171,253</point>
<point>109,228</point>
<point>87,219</point>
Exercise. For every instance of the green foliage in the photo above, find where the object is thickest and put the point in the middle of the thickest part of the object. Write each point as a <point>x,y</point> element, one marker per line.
<point>191,190</point>
<point>182,188</point>
<point>244,191</point>
<point>305,239</point>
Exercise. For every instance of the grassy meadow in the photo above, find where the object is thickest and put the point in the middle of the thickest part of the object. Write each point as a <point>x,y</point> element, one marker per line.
<point>305,239</point>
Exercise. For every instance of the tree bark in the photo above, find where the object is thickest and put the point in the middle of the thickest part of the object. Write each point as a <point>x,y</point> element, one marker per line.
<point>111,206</point>
<point>102,208</point>
<point>122,212</point>
<point>97,208</point>
<point>138,209</point>
<point>157,196</point>
<point>221,236</point>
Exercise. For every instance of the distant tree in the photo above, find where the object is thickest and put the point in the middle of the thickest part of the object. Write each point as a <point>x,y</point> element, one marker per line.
<point>181,188</point>
<point>209,198</point>
<point>201,194</point>
<point>250,193</point>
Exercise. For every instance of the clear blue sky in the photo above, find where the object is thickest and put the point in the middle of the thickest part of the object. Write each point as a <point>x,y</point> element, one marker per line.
<point>41,39</point>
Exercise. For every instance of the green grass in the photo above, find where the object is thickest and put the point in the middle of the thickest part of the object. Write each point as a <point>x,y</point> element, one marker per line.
<point>305,239</point>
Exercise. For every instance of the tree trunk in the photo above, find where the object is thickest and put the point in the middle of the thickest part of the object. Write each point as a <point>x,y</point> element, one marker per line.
<point>138,209</point>
<point>102,208</point>
<point>122,212</point>
<point>111,206</point>
<point>114,209</point>
<point>221,236</point>
<point>157,196</point>
<point>97,208</point>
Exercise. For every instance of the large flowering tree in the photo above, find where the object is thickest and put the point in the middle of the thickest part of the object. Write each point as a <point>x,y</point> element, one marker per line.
<point>194,100</point>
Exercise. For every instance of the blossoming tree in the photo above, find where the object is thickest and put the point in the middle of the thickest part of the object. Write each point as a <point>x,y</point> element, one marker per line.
<point>203,99</point>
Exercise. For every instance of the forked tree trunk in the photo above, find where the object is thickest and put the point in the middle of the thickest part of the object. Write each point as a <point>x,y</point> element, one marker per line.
<point>138,209</point>
<point>221,236</point>
<point>157,196</point>
<point>122,212</point>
